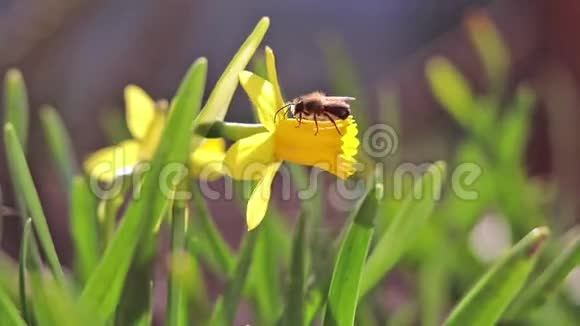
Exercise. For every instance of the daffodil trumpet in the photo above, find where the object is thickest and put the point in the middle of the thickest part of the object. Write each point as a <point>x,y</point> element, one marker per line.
<point>310,143</point>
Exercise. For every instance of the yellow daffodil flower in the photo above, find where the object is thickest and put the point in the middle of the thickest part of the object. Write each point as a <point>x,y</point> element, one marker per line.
<point>145,121</point>
<point>259,156</point>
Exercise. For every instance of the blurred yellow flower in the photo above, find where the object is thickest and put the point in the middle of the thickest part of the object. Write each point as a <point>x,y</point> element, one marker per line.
<point>259,156</point>
<point>145,121</point>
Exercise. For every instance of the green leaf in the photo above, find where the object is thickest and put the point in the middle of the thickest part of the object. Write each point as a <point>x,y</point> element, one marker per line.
<point>84,228</point>
<point>103,289</point>
<point>25,186</point>
<point>52,302</point>
<point>9,314</point>
<point>59,143</point>
<point>490,46</point>
<point>177,303</point>
<point>227,305</point>
<point>295,301</point>
<point>9,277</point>
<point>135,304</point>
<point>217,250</point>
<point>514,129</point>
<point>486,301</point>
<point>219,100</point>
<point>538,290</point>
<point>451,89</point>
<point>17,111</point>
<point>22,275</point>
<point>313,304</point>
<point>343,294</point>
<point>55,306</point>
<point>402,232</point>
<point>2,213</point>
<point>433,284</point>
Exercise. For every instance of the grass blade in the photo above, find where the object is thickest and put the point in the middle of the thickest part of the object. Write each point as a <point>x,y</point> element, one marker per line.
<point>346,278</point>
<point>9,277</point>
<point>490,47</point>
<point>25,186</point>
<point>51,301</point>
<point>59,143</point>
<point>403,230</point>
<point>104,287</point>
<point>295,305</point>
<point>536,293</point>
<point>451,90</point>
<point>9,314</point>
<point>227,305</point>
<point>22,275</point>
<point>434,290</point>
<point>487,300</point>
<point>135,304</point>
<point>219,100</point>
<point>177,310</point>
<point>2,212</point>
<point>84,226</point>
<point>17,111</point>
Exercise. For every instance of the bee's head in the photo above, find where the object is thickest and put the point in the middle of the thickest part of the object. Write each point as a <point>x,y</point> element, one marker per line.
<point>298,106</point>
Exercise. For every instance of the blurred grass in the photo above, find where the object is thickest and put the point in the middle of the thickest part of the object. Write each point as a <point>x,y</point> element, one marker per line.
<point>60,144</point>
<point>486,301</point>
<point>84,229</point>
<point>16,108</point>
<point>24,185</point>
<point>406,225</point>
<point>177,310</point>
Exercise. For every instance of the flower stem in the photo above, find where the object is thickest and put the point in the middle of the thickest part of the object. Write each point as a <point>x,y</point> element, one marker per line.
<point>229,130</point>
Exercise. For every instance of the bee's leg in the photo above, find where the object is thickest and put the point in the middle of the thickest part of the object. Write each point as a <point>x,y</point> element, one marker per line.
<point>333,122</point>
<point>316,123</point>
<point>299,120</point>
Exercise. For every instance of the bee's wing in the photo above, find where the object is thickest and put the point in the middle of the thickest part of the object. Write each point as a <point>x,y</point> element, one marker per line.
<point>339,98</point>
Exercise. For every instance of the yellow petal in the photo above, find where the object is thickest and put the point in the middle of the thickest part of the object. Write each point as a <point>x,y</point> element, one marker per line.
<point>153,135</point>
<point>260,198</point>
<point>207,160</point>
<point>107,163</point>
<point>247,158</point>
<point>328,149</point>
<point>273,77</point>
<point>140,111</point>
<point>261,93</point>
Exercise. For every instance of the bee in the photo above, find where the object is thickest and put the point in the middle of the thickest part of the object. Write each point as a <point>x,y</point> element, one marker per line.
<point>319,107</point>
